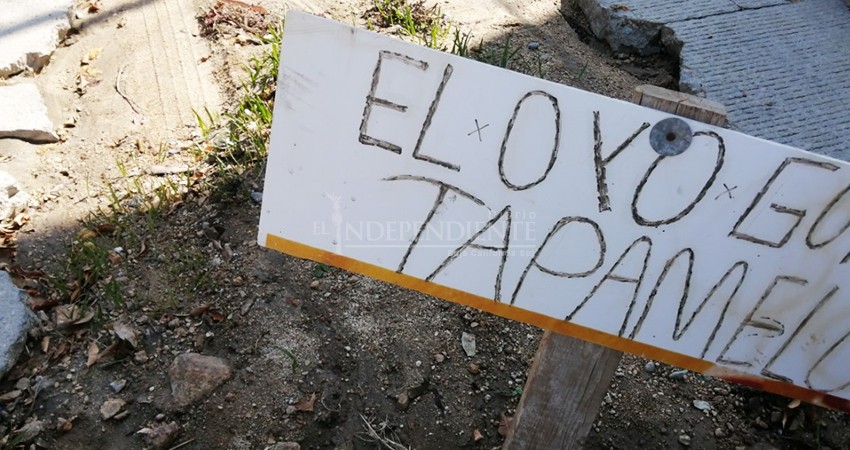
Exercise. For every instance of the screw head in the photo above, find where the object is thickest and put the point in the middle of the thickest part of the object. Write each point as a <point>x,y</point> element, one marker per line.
<point>670,137</point>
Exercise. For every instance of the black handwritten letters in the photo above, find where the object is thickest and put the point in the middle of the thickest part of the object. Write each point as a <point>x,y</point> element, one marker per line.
<point>707,310</point>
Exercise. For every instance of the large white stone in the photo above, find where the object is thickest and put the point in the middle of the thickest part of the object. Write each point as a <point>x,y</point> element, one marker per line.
<point>15,322</point>
<point>23,114</point>
<point>13,199</point>
<point>30,31</point>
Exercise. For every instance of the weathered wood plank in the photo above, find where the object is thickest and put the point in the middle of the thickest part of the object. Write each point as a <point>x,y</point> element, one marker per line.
<point>563,393</point>
<point>679,103</point>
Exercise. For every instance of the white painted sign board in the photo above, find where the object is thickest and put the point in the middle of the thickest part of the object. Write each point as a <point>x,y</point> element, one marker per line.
<point>547,204</point>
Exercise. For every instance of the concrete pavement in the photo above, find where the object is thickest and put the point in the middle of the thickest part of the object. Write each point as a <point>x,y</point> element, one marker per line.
<point>780,67</point>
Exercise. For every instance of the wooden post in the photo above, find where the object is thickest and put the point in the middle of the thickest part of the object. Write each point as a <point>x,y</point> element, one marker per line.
<point>569,377</point>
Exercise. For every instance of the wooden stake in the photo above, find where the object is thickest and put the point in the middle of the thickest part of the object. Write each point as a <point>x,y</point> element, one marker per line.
<point>569,377</point>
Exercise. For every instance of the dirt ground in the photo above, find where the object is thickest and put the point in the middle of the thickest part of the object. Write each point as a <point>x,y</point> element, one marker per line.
<point>320,357</point>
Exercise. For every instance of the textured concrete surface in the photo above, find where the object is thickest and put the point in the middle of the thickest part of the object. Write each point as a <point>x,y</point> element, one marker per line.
<point>23,114</point>
<point>30,31</point>
<point>780,67</point>
<point>15,322</point>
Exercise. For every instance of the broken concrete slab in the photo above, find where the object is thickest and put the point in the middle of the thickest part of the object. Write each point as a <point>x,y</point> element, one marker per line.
<point>30,32</point>
<point>635,26</point>
<point>778,66</point>
<point>13,199</point>
<point>15,322</point>
<point>23,114</point>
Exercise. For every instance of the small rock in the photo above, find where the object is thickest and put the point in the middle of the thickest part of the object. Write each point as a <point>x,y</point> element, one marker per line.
<point>15,322</point>
<point>111,408</point>
<point>533,45</point>
<point>439,357</point>
<point>476,436</point>
<point>467,341</point>
<point>650,367</point>
<point>677,375</point>
<point>761,423</point>
<point>718,432</point>
<point>194,376</point>
<point>13,199</point>
<point>685,440</point>
<point>23,114</point>
<point>167,170</point>
<point>776,416</point>
<point>141,357</point>
<point>474,369</point>
<point>23,384</point>
<point>702,405</point>
<point>257,197</point>
<point>314,284</point>
<point>118,385</point>
<point>403,402</point>
<point>161,436</point>
<point>286,446</point>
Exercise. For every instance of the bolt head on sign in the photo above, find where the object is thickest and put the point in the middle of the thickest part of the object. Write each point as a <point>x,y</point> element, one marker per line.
<point>698,246</point>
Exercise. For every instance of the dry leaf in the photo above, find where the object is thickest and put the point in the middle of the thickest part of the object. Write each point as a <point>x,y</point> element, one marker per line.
<point>306,405</point>
<point>86,233</point>
<point>199,310</point>
<point>114,258</point>
<point>65,424</point>
<point>60,351</point>
<point>11,395</point>
<point>92,55</point>
<point>794,404</point>
<point>143,248</point>
<point>93,354</point>
<point>37,303</point>
<point>45,344</point>
<point>126,332</point>
<point>105,228</point>
<point>504,424</point>
<point>67,315</point>
<point>214,317</point>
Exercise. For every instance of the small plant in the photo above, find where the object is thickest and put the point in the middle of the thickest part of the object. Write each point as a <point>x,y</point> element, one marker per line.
<point>501,56</point>
<point>241,145</point>
<point>87,273</point>
<point>582,72</point>
<point>211,122</point>
<point>460,43</point>
<point>320,270</point>
<point>540,66</point>
<point>412,19</point>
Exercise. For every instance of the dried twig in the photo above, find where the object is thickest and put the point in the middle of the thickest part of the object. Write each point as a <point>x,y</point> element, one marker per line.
<point>132,104</point>
<point>182,444</point>
<point>379,436</point>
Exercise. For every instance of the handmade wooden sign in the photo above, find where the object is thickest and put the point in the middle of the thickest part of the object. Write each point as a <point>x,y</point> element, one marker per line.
<point>631,228</point>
